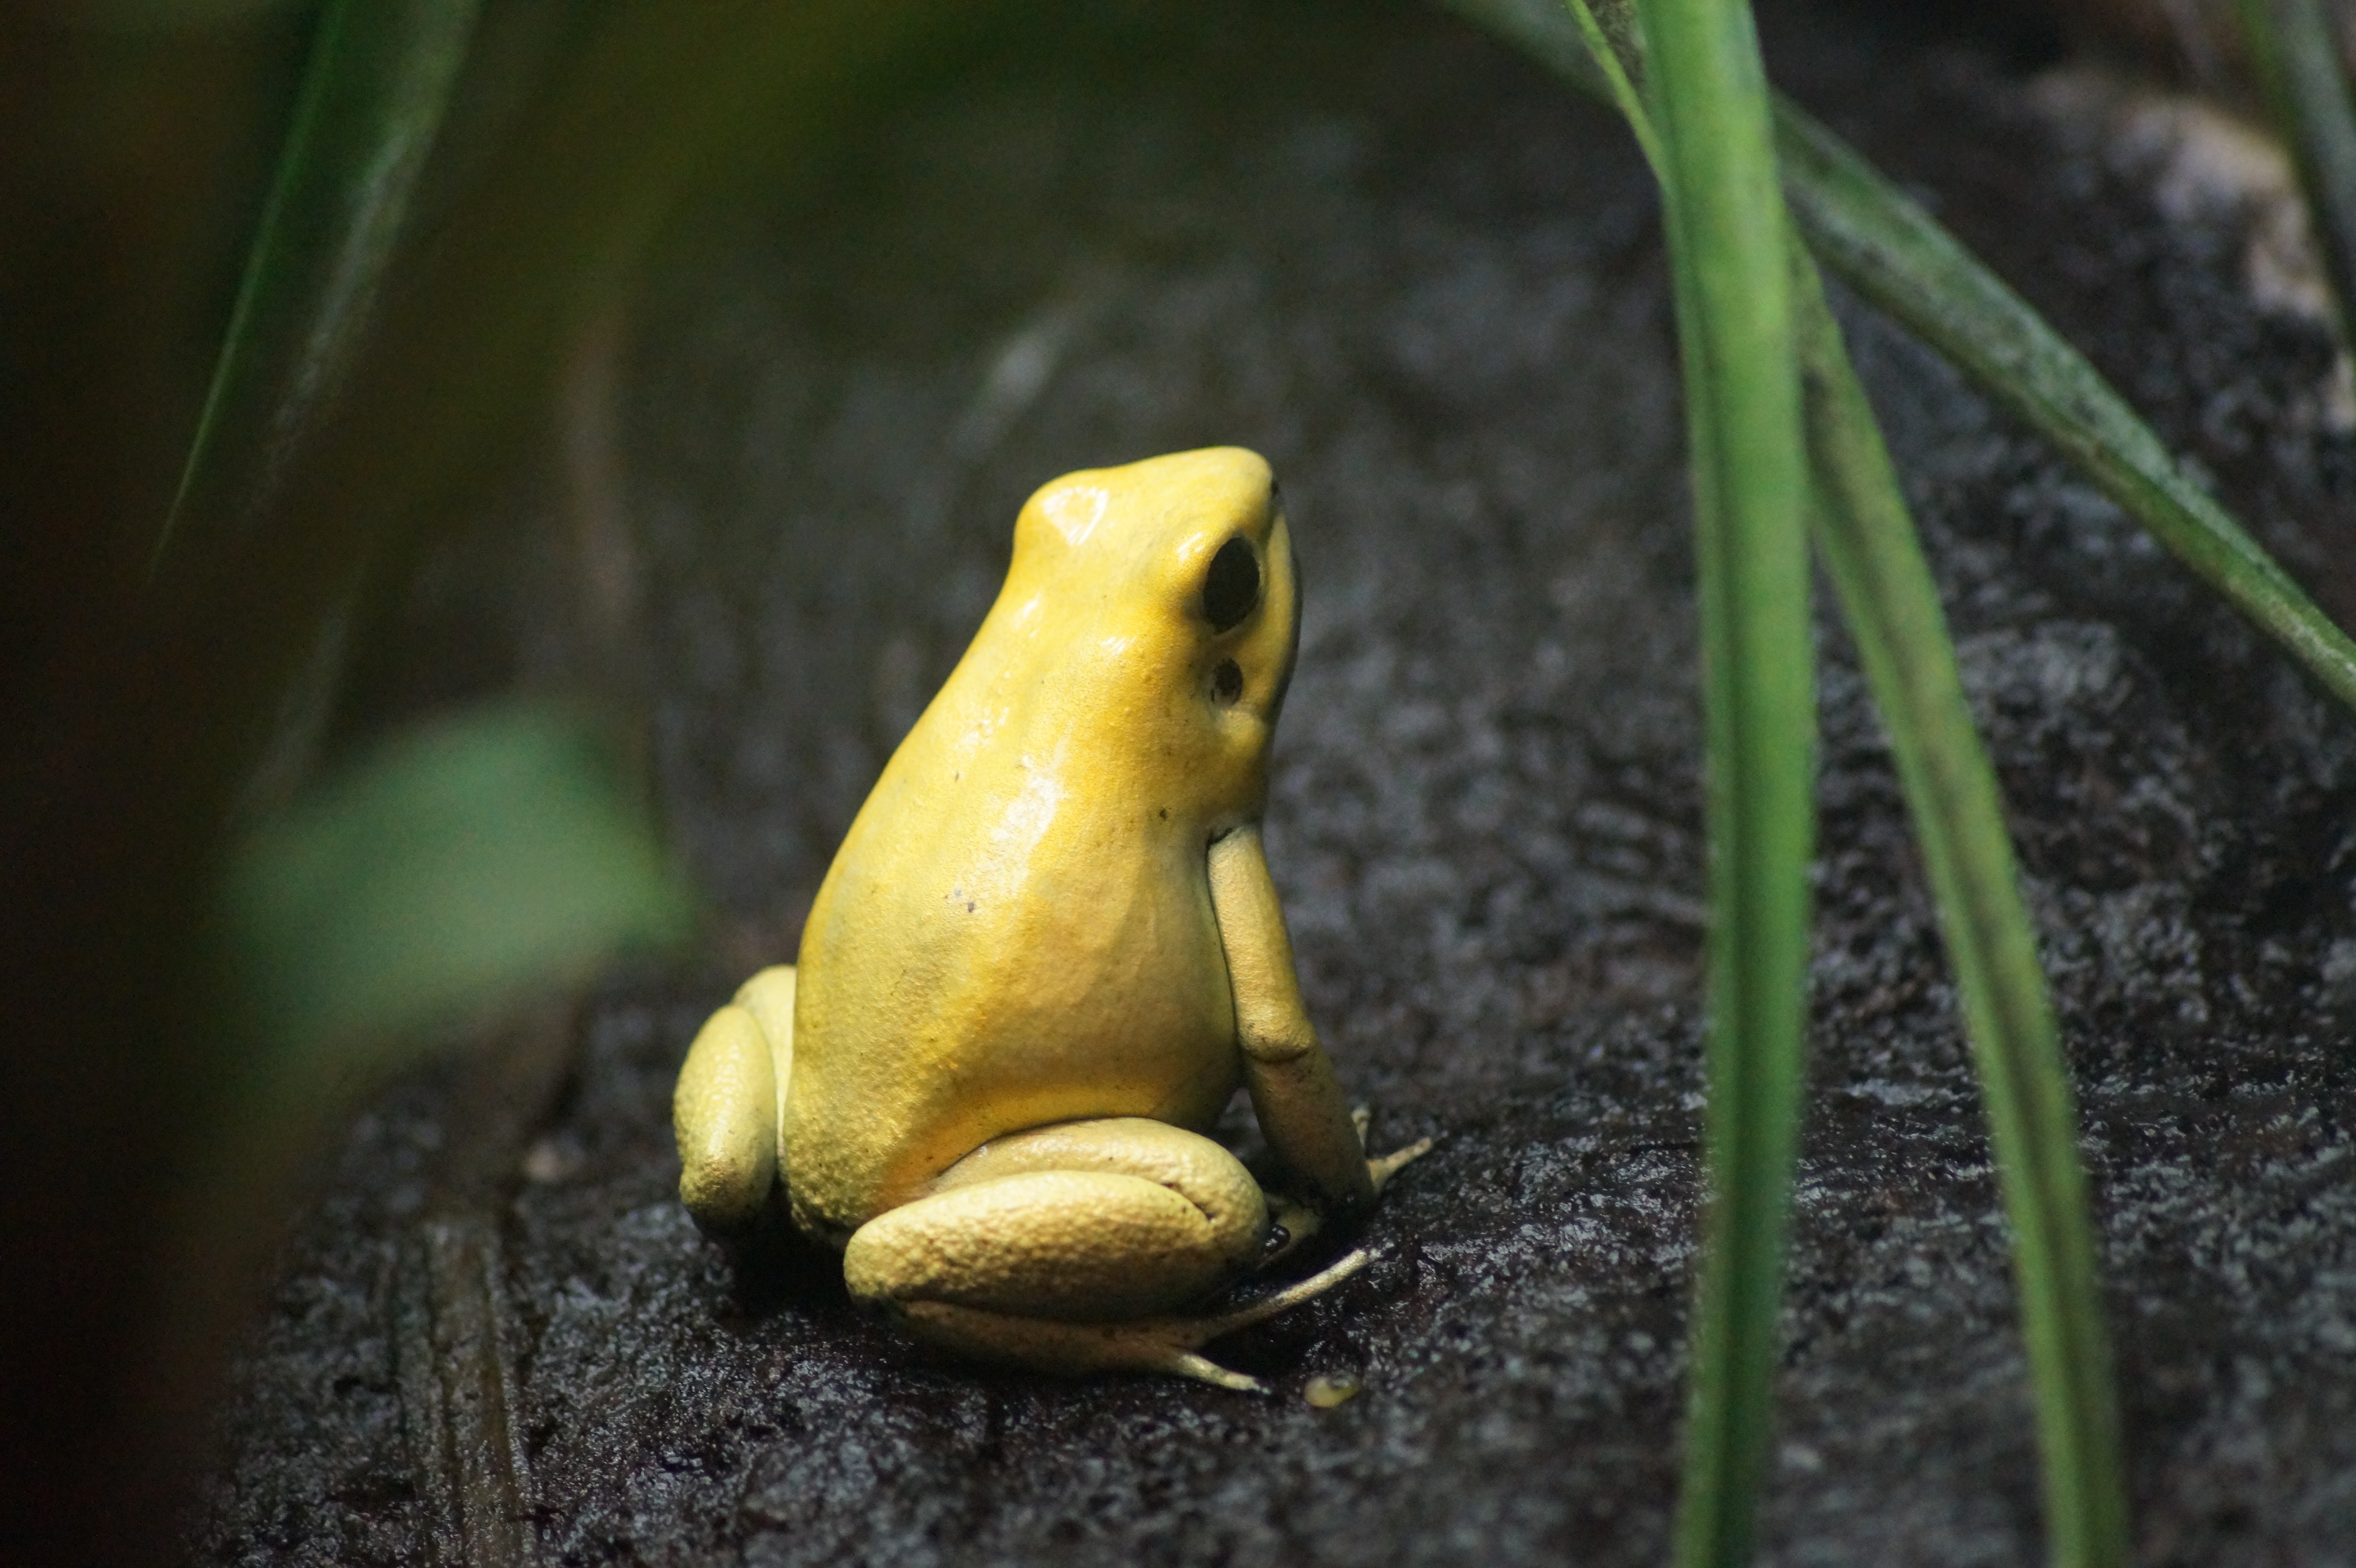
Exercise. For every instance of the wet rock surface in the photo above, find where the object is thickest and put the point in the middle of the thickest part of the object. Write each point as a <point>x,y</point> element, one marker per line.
<point>1426,282</point>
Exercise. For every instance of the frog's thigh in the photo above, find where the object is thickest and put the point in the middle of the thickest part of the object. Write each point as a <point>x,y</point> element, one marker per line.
<point>1085,1222</point>
<point>728,1107</point>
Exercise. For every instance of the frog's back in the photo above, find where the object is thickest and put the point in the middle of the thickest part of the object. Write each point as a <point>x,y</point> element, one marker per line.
<point>1018,928</point>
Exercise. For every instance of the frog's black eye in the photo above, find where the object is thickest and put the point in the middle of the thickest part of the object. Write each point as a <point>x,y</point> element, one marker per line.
<point>1232,586</point>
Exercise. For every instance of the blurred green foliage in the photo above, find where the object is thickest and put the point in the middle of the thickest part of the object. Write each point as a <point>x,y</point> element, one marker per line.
<point>448,223</point>
<point>2302,76</point>
<point>456,862</point>
<point>379,82</point>
<point>467,856</point>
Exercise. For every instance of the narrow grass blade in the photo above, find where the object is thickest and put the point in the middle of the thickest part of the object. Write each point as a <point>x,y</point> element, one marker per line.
<point>1867,540</point>
<point>379,76</point>
<point>1887,248</point>
<point>1728,235</point>
<point>2300,73</point>
<point>1871,552</point>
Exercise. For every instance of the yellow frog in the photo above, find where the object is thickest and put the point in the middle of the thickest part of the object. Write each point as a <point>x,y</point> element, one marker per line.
<point>1044,957</point>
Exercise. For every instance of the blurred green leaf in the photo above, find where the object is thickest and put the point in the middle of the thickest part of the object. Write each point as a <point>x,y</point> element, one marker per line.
<point>2298,63</point>
<point>148,18</point>
<point>464,858</point>
<point>378,79</point>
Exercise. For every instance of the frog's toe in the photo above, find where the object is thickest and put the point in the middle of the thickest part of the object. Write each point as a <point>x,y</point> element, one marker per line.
<point>724,1116</point>
<point>1382,1169</point>
<point>1186,1364</point>
<point>1289,1223</point>
<point>1167,1345</point>
<point>1389,1165</point>
<point>1292,1295</point>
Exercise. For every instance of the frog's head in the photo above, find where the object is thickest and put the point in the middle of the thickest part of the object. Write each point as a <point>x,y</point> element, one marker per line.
<point>1174,576</point>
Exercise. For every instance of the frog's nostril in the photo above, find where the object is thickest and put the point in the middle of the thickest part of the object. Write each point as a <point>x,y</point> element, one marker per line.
<point>1228,682</point>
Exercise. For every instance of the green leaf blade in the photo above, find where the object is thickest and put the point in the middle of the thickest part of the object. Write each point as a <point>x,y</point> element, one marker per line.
<point>2301,76</point>
<point>1742,393</point>
<point>379,78</point>
<point>1875,561</point>
<point>1898,257</point>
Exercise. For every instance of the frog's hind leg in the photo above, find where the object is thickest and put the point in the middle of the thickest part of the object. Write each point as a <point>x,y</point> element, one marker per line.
<point>1069,1248</point>
<point>731,1102</point>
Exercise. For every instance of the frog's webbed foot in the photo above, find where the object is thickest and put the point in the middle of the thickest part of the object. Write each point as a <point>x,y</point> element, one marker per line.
<point>1167,1345</point>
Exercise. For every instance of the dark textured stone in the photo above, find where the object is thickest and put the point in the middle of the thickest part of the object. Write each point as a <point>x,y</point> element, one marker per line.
<point>1426,282</point>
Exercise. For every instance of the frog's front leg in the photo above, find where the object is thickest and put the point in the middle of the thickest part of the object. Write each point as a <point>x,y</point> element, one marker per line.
<point>1309,1124</point>
<point>730,1103</point>
<point>1068,1248</point>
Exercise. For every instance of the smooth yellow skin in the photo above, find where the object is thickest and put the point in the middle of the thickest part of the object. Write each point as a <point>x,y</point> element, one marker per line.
<point>1046,954</point>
